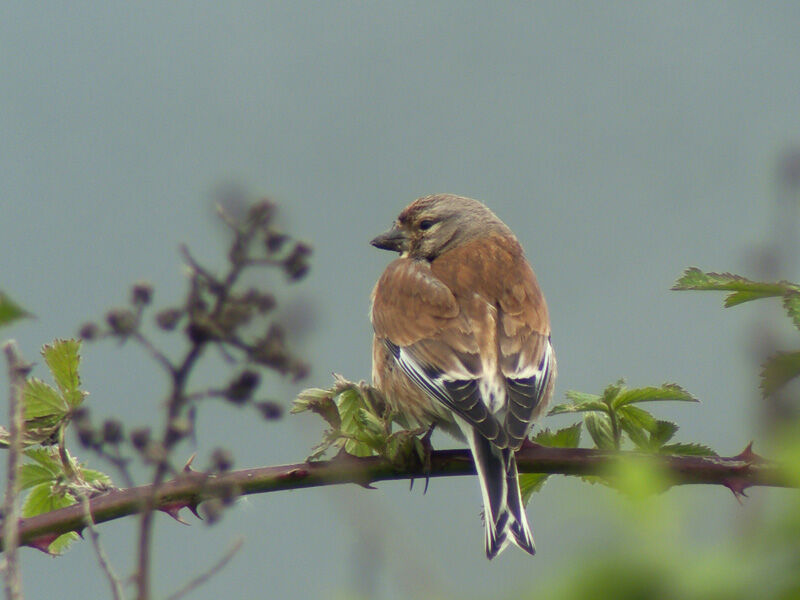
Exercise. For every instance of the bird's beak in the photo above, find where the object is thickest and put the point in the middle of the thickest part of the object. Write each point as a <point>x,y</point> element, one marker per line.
<point>394,239</point>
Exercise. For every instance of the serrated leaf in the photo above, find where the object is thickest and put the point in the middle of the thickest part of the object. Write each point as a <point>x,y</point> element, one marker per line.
<point>31,475</point>
<point>63,359</point>
<point>568,437</point>
<point>744,289</point>
<point>351,406</point>
<point>691,449</point>
<point>43,499</point>
<point>530,483</point>
<point>585,406</point>
<point>578,397</point>
<point>599,427</point>
<point>636,433</point>
<point>95,477</point>
<point>778,370</point>
<point>667,392</point>
<point>42,400</point>
<point>370,430</point>
<point>665,430</point>
<point>45,457</point>
<point>791,302</point>
<point>319,402</point>
<point>612,391</point>
<point>638,417</point>
<point>10,311</point>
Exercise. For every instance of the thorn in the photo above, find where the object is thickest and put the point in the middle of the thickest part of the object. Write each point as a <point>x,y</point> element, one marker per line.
<point>368,486</point>
<point>193,508</point>
<point>187,468</point>
<point>747,455</point>
<point>80,532</point>
<point>738,487</point>
<point>411,484</point>
<point>42,542</point>
<point>174,511</point>
<point>294,474</point>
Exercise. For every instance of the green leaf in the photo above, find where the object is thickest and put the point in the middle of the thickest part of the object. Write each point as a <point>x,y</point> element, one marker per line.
<point>638,417</point>
<point>687,450</point>
<point>612,391</point>
<point>569,437</point>
<point>585,406</point>
<point>580,397</point>
<point>665,430</point>
<point>530,483</point>
<point>744,290</point>
<point>10,311</point>
<point>31,475</point>
<point>370,430</point>
<point>320,402</point>
<point>599,427</point>
<point>43,499</point>
<point>638,424</point>
<point>778,370</point>
<point>637,434</point>
<point>791,302</point>
<point>351,406</point>
<point>42,400</point>
<point>63,358</point>
<point>667,392</point>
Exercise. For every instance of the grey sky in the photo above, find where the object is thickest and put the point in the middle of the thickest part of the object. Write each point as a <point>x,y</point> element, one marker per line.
<point>621,141</point>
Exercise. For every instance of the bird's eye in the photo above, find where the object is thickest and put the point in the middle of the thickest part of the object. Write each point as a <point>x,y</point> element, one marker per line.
<point>426,224</point>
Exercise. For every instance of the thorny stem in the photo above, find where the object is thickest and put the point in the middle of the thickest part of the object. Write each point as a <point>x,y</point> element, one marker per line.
<point>18,370</point>
<point>191,488</point>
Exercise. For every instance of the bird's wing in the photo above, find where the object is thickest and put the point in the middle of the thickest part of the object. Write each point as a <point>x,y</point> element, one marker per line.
<point>434,341</point>
<point>495,270</point>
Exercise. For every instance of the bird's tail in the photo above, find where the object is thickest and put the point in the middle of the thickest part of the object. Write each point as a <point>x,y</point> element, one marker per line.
<point>504,512</point>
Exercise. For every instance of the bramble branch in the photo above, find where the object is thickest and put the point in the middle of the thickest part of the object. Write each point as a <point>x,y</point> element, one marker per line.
<point>191,488</point>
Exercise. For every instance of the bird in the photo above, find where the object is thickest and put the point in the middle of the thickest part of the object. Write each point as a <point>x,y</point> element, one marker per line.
<point>462,342</point>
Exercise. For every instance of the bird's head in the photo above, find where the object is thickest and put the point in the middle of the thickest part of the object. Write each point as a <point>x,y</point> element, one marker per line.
<point>434,224</point>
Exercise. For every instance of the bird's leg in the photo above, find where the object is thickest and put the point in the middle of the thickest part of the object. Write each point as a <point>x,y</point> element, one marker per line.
<point>427,449</point>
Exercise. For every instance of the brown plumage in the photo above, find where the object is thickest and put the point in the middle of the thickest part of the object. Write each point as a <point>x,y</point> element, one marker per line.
<point>462,340</point>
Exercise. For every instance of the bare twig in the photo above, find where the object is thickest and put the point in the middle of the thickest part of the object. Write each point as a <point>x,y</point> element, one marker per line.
<point>213,570</point>
<point>115,583</point>
<point>18,370</point>
<point>157,355</point>
<point>190,488</point>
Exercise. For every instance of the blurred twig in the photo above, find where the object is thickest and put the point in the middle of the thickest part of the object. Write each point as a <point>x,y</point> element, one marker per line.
<point>213,570</point>
<point>18,370</point>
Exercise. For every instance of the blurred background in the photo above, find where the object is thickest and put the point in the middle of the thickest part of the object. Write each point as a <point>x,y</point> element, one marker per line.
<point>621,141</point>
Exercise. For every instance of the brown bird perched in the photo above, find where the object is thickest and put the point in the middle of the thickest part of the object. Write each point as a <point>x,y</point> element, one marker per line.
<point>462,341</point>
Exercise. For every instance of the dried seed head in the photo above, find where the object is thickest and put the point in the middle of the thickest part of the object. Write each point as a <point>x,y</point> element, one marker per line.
<point>141,294</point>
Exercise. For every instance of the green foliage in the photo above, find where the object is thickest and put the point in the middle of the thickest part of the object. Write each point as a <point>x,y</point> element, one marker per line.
<point>569,437</point>
<point>47,409</point>
<point>52,476</point>
<point>743,290</point>
<point>612,417</point>
<point>10,311</point>
<point>780,369</point>
<point>359,422</point>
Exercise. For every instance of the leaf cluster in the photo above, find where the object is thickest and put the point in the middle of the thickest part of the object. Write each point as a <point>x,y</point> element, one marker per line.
<point>780,368</point>
<point>360,424</point>
<point>50,473</point>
